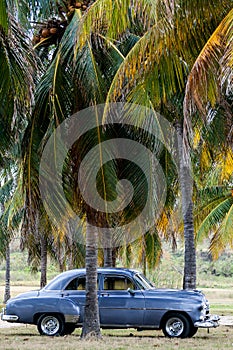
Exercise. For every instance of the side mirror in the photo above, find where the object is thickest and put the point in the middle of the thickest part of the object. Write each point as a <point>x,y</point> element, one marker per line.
<point>131,291</point>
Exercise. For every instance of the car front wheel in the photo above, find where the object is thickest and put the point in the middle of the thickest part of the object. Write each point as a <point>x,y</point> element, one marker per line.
<point>192,332</point>
<point>50,325</point>
<point>176,326</point>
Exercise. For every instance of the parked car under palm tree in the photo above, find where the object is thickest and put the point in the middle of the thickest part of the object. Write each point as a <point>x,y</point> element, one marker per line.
<point>126,300</point>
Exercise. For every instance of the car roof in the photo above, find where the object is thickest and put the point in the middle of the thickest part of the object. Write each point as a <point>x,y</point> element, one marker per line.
<point>100,269</point>
<point>66,276</point>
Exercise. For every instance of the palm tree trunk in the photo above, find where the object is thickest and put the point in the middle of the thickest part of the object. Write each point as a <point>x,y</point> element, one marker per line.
<point>43,263</point>
<point>114,256</point>
<point>108,257</point>
<point>189,280</point>
<point>7,274</point>
<point>107,249</point>
<point>91,323</point>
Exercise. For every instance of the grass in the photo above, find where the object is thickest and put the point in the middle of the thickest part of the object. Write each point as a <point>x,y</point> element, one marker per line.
<point>21,273</point>
<point>210,274</point>
<point>27,338</point>
<point>221,300</point>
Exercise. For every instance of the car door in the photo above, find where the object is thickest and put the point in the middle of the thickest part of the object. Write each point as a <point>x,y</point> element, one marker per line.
<point>75,290</point>
<point>120,302</point>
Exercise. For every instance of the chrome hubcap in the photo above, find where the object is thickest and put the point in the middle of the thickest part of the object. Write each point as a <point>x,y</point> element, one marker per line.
<point>50,325</point>
<point>174,327</point>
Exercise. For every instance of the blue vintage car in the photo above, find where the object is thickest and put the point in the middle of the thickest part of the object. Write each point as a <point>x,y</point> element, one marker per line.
<point>126,300</point>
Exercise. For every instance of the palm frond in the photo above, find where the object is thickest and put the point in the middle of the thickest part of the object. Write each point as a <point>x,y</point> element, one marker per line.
<point>206,200</point>
<point>227,61</point>
<point>214,219</point>
<point>222,237</point>
<point>152,66</point>
<point>3,16</point>
<point>203,84</point>
<point>113,18</point>
<point>32,10</point>
<point>153,249</point>
<point>5,190</point>
<point>17,83</point>
<point>16,204</point>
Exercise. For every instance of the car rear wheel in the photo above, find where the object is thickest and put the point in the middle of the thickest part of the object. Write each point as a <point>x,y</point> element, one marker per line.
<point>176,326</point>
<point>50,325</point>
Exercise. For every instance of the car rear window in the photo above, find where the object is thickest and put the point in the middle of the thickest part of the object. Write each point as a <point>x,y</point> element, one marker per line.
<point>55,284</point>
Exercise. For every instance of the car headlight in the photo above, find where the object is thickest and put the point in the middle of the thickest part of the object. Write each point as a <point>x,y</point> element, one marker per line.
<point>203,308</point>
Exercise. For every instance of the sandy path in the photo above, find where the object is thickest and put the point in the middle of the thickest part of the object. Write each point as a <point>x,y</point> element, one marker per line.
<point>4,324</point>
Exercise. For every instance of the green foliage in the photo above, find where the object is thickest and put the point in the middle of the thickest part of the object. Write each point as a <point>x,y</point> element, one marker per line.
<point>222,268</point>
<point>21,273</point>
<point>3,16</point>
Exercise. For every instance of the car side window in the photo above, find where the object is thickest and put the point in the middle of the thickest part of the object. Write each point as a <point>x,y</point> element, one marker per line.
<point>78,283</point>
<point>117,283</point>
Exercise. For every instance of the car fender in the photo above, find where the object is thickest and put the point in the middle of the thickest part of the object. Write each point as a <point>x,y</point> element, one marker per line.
<point>28,310</point>
<point>182,312</point>
<point>63,306</point>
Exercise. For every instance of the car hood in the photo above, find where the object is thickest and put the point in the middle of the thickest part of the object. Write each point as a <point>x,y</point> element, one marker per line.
<point>175,293</point>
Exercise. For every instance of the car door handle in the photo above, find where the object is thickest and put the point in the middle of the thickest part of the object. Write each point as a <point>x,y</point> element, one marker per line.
<point>105,294</point>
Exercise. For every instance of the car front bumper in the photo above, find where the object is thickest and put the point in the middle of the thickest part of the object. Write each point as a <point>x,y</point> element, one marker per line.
<point>210,322</point>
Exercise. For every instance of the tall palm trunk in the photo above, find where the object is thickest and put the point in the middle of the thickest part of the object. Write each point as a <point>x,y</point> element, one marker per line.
<point>189,280</point>
<point>108,257</point>
<point>91,323</point>
<point>114,257</point>
<point>43,263</point>
<point>7,274</point>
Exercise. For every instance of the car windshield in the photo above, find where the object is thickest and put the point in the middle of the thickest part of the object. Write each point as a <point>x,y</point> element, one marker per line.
<point>56,284</point>
<point>143,282</point>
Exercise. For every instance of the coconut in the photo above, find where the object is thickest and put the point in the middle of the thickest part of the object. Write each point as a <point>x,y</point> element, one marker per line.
<point>78,5</point>
<point>36,39</point>
<point>53,30</point>
<point>45,32</point>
